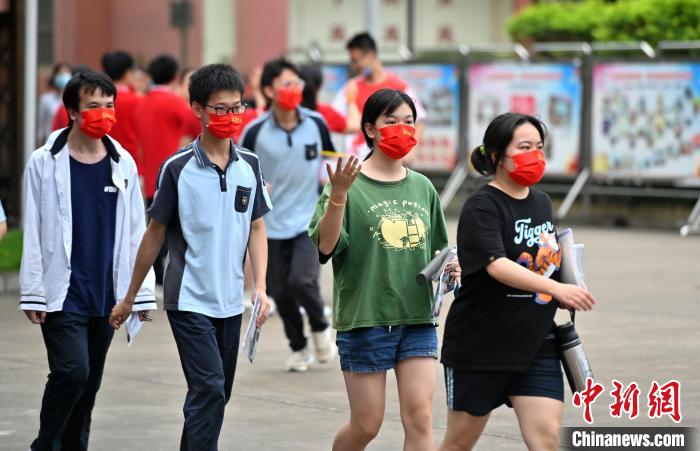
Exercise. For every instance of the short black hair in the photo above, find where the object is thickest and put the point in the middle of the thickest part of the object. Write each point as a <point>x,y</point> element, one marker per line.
<point>82,68</point>
<point>274,68</point>
<point>212,78</point>
<point>384,101</point>
<point>486,157</point>
<point>116,64</point>
<point>89,81</point>
<point>163,69</point>
<point>313,80</point>
<point>362,41</point>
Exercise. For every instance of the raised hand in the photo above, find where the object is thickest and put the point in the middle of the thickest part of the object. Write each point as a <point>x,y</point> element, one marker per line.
<point>343,177</point>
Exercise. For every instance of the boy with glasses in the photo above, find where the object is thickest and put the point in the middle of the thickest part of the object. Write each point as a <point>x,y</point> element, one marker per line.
<point>289,140</point>
<point>210,200</point>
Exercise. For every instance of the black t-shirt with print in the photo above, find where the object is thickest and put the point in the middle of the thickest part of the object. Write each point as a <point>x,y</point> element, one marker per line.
<point>491,326</point>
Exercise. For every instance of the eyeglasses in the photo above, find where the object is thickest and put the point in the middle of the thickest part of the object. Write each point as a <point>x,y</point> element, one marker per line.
<point>295,83</point>
<point>223,110</point>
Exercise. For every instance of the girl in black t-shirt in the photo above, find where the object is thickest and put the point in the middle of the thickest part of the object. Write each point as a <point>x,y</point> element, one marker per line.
<point>498,345</point>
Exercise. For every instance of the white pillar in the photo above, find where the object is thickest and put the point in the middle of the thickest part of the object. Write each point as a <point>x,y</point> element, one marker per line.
<point>372,18</point>
<point>29,101</point>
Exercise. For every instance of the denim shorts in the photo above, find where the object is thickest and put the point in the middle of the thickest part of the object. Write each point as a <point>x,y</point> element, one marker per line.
<point>376,349</point>
<point>480,392</point>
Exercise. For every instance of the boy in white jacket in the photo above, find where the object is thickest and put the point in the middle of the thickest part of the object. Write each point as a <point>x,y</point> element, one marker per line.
<point>83,221</point>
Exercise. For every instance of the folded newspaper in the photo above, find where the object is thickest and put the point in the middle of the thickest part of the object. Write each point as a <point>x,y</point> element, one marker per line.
<point>572,259</point>
<point>444,283</point>
<point>252,334</point>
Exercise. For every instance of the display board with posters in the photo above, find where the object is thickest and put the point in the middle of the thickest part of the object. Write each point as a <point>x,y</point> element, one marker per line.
<point>334,78</point>
<point>437,88</point>
<point>646,120</point>
<point>549,91</point>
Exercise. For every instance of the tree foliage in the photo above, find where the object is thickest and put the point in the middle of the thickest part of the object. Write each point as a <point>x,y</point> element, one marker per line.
<point>597,20</point>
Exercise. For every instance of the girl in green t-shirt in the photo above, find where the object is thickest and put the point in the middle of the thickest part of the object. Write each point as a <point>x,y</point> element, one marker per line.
<point>381,223</point>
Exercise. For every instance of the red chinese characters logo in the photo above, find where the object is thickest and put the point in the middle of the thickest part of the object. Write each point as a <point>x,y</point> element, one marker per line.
<point>625,400</point>
<point>662,400</point>
<point>587,397</point>
<point>665,400</point>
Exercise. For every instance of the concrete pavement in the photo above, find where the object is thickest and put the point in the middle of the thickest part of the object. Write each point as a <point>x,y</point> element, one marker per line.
<point>645,328</point>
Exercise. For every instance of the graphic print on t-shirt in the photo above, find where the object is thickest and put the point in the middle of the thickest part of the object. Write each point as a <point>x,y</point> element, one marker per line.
<point>399,226</point>
<point>548,257</point>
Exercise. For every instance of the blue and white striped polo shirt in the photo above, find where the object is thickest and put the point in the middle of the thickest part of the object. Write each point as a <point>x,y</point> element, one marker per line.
<point>208,213</point>
<point>292,162</point>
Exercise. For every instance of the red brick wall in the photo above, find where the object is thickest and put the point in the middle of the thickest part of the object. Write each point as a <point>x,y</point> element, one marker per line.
<point>261,31</point>
<point>85,29</point>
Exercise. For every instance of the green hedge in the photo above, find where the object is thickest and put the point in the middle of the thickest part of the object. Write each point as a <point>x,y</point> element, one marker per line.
<point>11,251</point>
<point>596,20</point>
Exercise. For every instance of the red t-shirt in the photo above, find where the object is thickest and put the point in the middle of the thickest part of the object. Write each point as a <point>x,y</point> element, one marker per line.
<point>366,88</point>
<point>124,130</point>
<point>161,123</point>
<point>60,119</point>
<point>336,121</point>
<point>192,126</point>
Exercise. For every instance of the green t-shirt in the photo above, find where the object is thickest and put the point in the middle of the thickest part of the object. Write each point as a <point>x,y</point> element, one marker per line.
<point>390,232</point>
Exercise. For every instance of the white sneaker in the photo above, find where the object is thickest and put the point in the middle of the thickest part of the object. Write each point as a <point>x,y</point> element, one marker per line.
<point>324,346</point>
<point>300,360</point>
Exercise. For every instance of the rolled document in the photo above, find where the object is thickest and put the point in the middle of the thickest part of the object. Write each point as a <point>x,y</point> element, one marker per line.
<point>572,259</point>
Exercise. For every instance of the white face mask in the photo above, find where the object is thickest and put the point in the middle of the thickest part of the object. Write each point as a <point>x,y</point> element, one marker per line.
<point>61,80</point>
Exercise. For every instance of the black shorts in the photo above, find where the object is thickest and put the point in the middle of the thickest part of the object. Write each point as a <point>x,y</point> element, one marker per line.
<point>480,392</point>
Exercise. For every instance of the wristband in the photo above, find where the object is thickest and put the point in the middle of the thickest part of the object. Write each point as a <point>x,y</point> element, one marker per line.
<point>335,204</point>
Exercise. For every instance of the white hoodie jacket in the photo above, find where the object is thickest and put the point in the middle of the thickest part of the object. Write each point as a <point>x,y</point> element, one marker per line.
<point>48,229</point>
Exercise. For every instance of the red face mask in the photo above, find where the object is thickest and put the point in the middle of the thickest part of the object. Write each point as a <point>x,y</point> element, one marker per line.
<point>529,167</point>
<point>225,126</point>
<point>98,122</point>
<point>397,140</point>
<point>289,97</point>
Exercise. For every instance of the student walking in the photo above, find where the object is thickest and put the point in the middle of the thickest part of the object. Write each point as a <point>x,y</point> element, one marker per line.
<point>83,211</point>
<point>371,76</point>
<point>381,223</point>
<point>499,346</point>
<point>210,202</point>
<point>50,101</point>
<point>119,65</point>
<point>289,140</point>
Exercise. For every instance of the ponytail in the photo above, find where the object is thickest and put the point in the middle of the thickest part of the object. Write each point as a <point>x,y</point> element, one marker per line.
<point>482,161</point>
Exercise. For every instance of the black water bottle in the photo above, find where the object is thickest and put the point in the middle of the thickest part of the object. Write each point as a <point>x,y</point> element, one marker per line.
<point>573,356</point>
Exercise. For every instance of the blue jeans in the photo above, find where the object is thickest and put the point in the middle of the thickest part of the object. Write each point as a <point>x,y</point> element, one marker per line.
<point>376,349</point>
